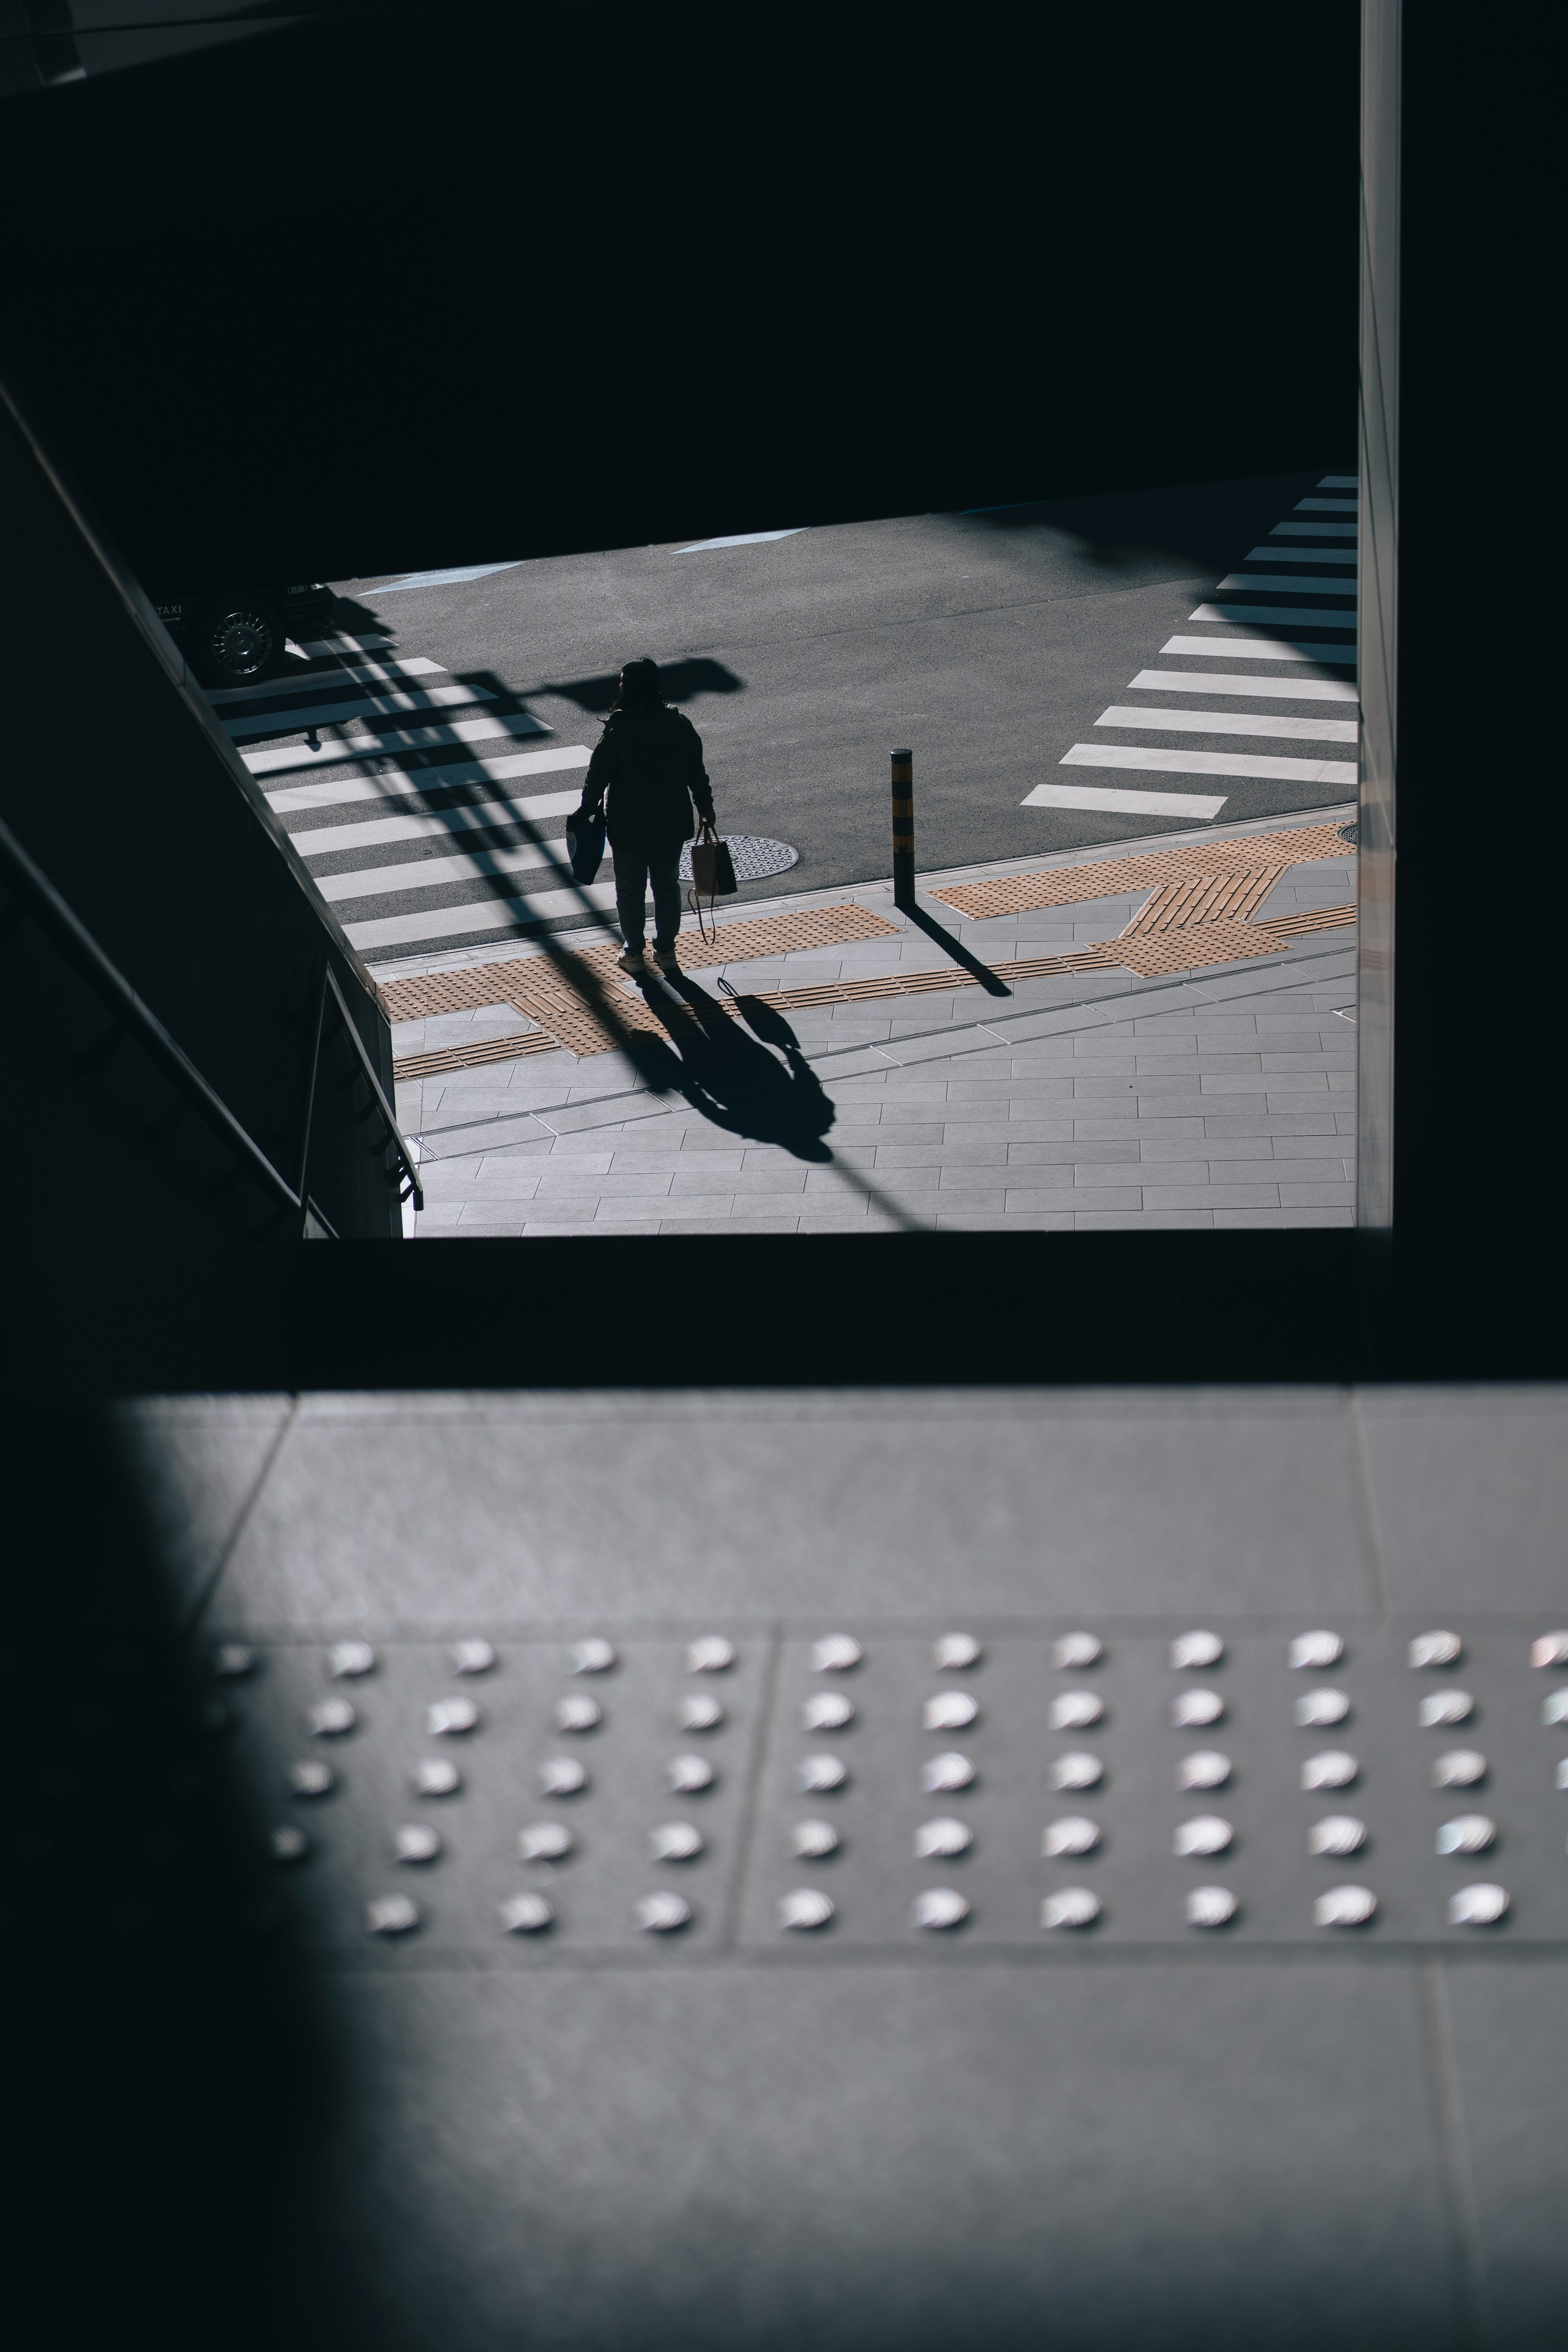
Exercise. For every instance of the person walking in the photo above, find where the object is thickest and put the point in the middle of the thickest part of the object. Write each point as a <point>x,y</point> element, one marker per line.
<point>647,774</point>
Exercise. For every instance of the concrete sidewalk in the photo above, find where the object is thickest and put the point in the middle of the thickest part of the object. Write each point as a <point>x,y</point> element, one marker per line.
<point>1221,1095</point>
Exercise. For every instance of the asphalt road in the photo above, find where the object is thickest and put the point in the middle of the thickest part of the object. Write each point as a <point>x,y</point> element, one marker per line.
<point>989,642</point>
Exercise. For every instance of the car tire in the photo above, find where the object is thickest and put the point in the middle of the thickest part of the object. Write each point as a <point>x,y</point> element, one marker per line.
<point>235,640</point>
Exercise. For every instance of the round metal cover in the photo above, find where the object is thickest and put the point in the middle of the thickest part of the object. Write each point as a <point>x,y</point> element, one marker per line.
<point>752,858</point>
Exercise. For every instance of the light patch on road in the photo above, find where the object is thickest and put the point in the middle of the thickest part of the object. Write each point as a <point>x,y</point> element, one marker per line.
<point>1271,689</point>
<point>1260,649</point>
<point>1211,763</point>
<point>1230,722</point>
<point>483,915</point>
<point>1087,796</point>
<point>440,579</point>
<point>740,539</point>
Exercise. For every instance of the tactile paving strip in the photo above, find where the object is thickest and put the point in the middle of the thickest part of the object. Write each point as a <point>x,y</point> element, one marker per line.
<point>1060,1790</point>
<point>1196,917</point>
<point>1064,885</point>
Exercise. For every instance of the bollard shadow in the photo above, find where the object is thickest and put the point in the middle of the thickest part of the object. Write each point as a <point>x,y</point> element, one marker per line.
<point>958,950</point>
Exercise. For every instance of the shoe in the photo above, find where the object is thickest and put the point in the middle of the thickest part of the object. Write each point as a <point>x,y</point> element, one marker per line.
<point>632,959</point>
<point>667,959</point>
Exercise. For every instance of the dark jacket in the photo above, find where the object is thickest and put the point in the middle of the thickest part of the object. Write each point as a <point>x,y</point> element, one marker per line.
<point>648,770</point>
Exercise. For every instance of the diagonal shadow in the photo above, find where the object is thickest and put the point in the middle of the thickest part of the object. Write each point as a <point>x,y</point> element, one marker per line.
<point>958,950</point>
<point>759,1086</point>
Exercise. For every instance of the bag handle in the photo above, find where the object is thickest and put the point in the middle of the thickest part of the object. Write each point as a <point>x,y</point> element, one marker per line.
<point>707,831</point>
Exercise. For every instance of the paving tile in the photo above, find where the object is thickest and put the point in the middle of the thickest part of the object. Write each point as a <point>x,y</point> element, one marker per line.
<point>562,1182</point>
<point>1132,1128</point>
<point>1318,1195</point>
<point>1289,1123</point>
<point>1259,1082</point>
<point>1156,1151</point>
<point>1075,1198</point>
<point>1066,1155</point>
<point>963,1150</point>
<point>1210,1196</point>
<point>742,1223</point>
<point>1167,1220</point>
<point>989,1221</point>
<point>775,1180</point>
<point>1239,1220</point>
<point>696,1204</point>
<point>1335,1175</point>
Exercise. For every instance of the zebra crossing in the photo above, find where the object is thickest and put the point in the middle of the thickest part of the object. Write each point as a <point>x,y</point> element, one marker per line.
<point>422,838</point>
<point>1319,536</point>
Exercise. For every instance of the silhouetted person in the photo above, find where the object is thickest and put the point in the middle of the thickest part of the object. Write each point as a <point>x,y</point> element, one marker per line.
<point>648,772</point>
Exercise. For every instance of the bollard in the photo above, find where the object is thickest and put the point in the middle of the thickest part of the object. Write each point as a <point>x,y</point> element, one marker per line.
<point>903,829</point>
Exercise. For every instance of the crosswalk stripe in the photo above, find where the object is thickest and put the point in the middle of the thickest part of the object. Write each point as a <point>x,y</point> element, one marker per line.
<point>1232,722</point>
<point>396,739</point>
<point>1261,649</point>
<point>439,873</point>
<point>1300,555</point>
<point>1123,803</point>
<point>1212,763</point>
<point>415,667</point>
<point>1294,689</point>
<point>1340,482</point>
<point>397,783</point>
<point>1328,616</point>
<point>1315,531</point>
<point>1326,506</point>
<point>369,705</point>
<point>485,915</point>
<point>1276,580</point>
<point>321,841</point>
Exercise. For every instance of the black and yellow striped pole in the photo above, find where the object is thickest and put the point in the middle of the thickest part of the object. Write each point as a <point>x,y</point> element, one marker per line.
<point>903,829</point>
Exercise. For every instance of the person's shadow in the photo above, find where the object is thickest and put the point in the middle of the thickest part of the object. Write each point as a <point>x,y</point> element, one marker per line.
<point>731,1077</point>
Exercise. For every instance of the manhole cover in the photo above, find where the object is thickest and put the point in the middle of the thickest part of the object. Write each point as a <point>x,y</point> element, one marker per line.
<point>753,857</point>
<point>1349,834</point>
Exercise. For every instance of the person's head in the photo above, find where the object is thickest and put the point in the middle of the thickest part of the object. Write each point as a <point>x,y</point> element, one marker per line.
<point>639,686</point>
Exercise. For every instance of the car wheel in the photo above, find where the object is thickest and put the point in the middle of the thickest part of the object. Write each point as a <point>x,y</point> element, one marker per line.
<point>237,640</point>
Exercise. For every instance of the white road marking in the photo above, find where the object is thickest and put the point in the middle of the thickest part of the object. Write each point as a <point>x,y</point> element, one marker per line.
<point>1326,615</point>
<point>322,840</point>
<point>396,739</point>
<point>401,781</point>
<point>1283,580</point>
<point>1188,681</point>
<point>1314,530</point>
<point>486,915</point>
<point>1212,763</point>
<point>1085,796</point>
<point>1300,555</point>
<point>439,579</point>
<point>740,539</point>
<point>415,667</point>
<point>1260,649</point>
<point>370,706</point>
<point>1232,722</point>
<point>1340,482</point>
<point>438,873</point>
<point>1326,506</point>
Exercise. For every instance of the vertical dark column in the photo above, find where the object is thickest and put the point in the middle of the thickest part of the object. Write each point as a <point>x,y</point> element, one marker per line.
<point>1379,608</point>
<point>903,829</point>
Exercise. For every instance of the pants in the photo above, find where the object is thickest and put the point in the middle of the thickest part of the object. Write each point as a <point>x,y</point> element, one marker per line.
<point>636,866</point>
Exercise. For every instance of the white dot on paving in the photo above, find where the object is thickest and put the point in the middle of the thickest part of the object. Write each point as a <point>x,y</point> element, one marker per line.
<point>813,1841</point>
<point>1075,1710</point>
<point>438,1776</point>
<point>1197,1649</point>
<point>1074,1834</point>
<point>562,1776</point>
<point>827,1711</point>
<point>1550,1649</point>
<point>940,1840</point>
<point>660,1915</point>
<point>946,1772</point>
<point>1191,1711</point>
<point>1443,1707</point>
<point>288,1845</point>
<point>675,1842</point>
<point>1071,1653</point>
<point>689,1775</point>
<point>1210,1906</point>
<point>1336,1833</point>
<point>940,1906</point>
<point>348,1658</point>
<point>526,1915</point>
<point>544,1842</point>
<point>836,1654</point>
<point>1335,1768</point>
<point>955,1652</point>
<point>593,1656</point>
<point>1316,1710</point>
<point>711,1654</point>
<point>416,1841</point>
<point>1073,1907</point>
<point>1078,1770</point>
<point>392,1914</point>
<point>578,1713</point>
<point>1344,1906</point>
<point>804,1908</point>
<point>1468,1833</point>
<point>1320,1649</point>
<point>472,1657</point>
<point>949,1711</point>
<point>1206,1768</point>
<point>1206,1833</point>
<point>700,1711</point>
<point>332,1718</point>
<point>1477,1906</point>
<point>446,1717</point>
<point>1460,1767</point>
<point>1435,1649</point>
<point>818,1775</point>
